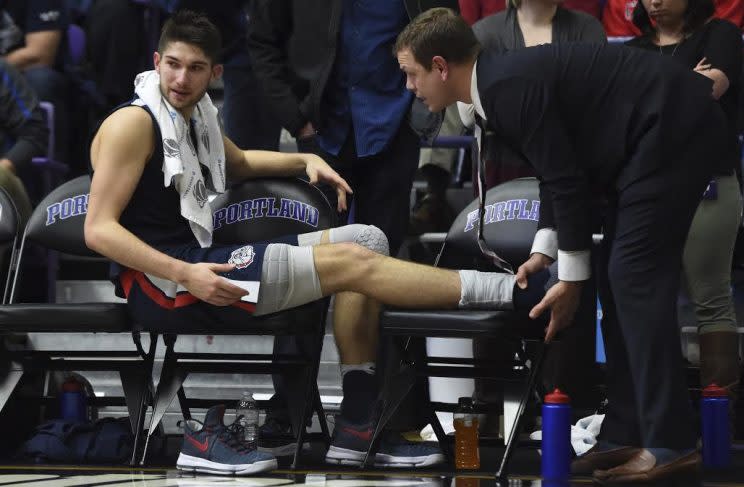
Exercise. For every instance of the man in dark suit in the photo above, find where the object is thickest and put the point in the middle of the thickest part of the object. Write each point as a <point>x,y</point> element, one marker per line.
<point>598,124</point>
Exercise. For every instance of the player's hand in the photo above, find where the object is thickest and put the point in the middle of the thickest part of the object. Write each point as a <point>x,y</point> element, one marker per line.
<point>204,283</point>
<point>318,171</point>
<point>535,263</point>
<point>562,300</point>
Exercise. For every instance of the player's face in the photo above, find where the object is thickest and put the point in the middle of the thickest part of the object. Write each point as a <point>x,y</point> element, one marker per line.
<point>185,72</point>
<point>427,85</point>
<point>666,11</point>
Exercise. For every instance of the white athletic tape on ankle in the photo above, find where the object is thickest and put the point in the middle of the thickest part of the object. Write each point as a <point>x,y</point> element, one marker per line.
<point>486,290</point>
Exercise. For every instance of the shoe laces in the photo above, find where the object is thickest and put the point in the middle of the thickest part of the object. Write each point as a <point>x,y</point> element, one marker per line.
<point>234,436</point>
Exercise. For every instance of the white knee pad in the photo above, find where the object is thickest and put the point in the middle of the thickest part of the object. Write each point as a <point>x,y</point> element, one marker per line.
<point>288,279</point>
<point>368,236</point>
<point>374,239</point>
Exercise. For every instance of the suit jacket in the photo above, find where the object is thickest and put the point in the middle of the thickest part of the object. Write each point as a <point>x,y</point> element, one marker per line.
<point>579,112</point>
<point>293,43</point>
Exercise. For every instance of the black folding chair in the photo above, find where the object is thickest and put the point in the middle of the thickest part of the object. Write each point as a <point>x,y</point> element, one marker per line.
<point>57,224</point>
<point>257,210</point>
<point>511,214</point>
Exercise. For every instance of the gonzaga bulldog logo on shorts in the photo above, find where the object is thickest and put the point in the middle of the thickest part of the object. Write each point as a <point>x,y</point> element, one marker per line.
<point>242,257</point>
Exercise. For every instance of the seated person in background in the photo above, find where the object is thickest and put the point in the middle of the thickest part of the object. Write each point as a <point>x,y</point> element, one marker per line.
<point>685,31</point>
<point>617,16</point>
<point>31,38</point>
<point>23,134</point>
<point>161,237</point>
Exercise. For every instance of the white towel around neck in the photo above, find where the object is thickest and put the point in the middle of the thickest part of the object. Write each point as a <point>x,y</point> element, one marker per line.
<point>180,159</point>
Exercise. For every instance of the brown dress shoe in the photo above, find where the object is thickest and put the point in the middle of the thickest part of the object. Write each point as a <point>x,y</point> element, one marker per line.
<point>643,468</point>
<point>594,460</point>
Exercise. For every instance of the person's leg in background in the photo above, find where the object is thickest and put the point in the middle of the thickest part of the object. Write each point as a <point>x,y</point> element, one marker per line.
<point>31,288</point>
<point>707,267</point>
<point>432,213</point>
<point>248,121</point>
<point>17,192</point>
<point>115,31</point>
<point>383,186</point>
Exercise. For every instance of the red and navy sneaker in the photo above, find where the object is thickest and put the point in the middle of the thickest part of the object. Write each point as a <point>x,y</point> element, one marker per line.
<point>215,448</point>
<point>350,442</point>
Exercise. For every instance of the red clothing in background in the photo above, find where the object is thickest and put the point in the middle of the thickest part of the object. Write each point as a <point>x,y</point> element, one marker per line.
<point>474,10</point>
<point>731,10</point>
<point>617,18</point>
<point>589,6</point>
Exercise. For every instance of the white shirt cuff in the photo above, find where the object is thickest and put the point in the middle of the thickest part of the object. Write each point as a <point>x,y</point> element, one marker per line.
<point>574,265</point>
<point>546,243</point>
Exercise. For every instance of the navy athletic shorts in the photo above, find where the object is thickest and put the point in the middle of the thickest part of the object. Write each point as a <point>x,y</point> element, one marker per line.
<point>159,304</point>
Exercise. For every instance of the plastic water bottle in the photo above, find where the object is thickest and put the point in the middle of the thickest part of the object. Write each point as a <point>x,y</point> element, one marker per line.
<point>714,411</point>
<point>72,400</point>
<point>556,436</point>
<point>467,454</point>
<point>247,414</point>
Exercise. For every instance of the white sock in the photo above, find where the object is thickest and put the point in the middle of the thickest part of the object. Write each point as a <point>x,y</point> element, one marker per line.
<point>486,290</point>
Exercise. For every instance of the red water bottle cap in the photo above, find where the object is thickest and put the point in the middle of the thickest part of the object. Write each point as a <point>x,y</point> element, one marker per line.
<point>714,390</point>
<point>72,385</point>
<point>557,397</point>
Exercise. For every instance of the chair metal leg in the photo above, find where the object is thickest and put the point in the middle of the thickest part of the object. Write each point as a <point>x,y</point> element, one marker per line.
<point>311,397</point>
<point>171,380</point>
<point>395,390</point>
<point>183,402</point>
<point>9,382</point>
<point>513,436</point>
<point>439,433</point>
<point>308,402</point>
<point>134,385</point>
<point>322,418</point>
<point>145,398</point>
<point>513,392</point>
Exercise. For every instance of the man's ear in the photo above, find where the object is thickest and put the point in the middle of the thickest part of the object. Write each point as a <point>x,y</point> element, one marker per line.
<point>217,71</point>
<point>156,61</point>
<point>439,64</point>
